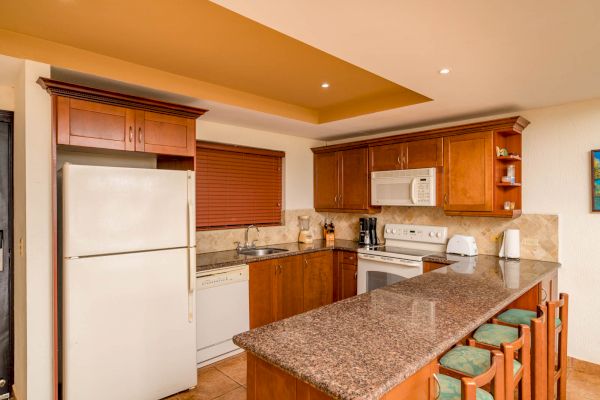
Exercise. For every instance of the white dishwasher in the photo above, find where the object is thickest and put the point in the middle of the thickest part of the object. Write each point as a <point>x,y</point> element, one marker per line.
<point>222,311</point>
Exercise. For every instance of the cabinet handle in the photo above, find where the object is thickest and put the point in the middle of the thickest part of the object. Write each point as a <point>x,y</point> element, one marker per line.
<point>356,275</point>
<point>399,160</point>
<point>544,295</point>
<point>445,198</point>
<point>130,133</point>
<point>140,134</point>
<point>335,199</point>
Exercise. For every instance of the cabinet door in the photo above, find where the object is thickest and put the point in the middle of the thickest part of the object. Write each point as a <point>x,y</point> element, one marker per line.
<point>166,134</point>
<point>426,153</point>
<point>89,124</point>
<point>468,172</point>
<point>326,180</point>
<point>354,179</point>
<point>387,157</point>
<point>317,280</point>
<point>262,293</point>
<point>288,286</point>
<point>429,266</point>
<point>347,280</point>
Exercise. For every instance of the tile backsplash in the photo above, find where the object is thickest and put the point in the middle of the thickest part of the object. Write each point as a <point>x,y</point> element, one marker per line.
<point>539,232</point>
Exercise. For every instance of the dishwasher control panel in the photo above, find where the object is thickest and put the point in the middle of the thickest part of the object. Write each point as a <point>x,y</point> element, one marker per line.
<point>221,277</point>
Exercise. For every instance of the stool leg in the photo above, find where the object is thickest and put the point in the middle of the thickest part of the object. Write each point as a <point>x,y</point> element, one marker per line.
<point>551,350</point>
<point>564,317</point>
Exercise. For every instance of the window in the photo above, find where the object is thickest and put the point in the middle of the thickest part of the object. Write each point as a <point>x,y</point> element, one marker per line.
<point>237,186</point>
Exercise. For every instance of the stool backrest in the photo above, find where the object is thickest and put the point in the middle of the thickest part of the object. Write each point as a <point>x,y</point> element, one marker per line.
<point>495,373</point>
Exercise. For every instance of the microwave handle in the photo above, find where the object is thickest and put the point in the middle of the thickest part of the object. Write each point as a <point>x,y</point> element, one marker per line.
<point>413,186</point>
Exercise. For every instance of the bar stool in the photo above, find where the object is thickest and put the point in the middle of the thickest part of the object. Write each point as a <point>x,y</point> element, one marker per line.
<point>554,344</point>
<point>557,347</point>
<point>469,388</point>
<point>515,343</point>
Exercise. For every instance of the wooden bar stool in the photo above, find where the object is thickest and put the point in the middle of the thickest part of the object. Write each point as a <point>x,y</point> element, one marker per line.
<point>538,346</point>
<point>469,388</point>
<point>515,344</point>
<point>557,347</point>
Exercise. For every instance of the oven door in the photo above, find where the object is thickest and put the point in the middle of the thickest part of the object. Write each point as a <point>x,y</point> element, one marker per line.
<point>377,271</point>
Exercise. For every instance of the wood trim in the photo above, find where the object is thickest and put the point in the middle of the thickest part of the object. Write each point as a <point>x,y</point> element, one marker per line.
<point>594,210</point>
<point>512,124</point>
<point>118,99</point>
<point>54,209</point>
<point>201,144</point>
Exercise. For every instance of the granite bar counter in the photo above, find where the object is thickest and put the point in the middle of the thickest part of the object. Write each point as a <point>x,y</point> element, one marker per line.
<point>363,347</point>
<point>221,259</point>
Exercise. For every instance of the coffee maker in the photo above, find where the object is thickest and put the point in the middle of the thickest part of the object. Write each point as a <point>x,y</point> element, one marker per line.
<point>367,231</point>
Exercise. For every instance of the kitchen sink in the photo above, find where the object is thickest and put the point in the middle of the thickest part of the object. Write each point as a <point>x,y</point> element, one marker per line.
<point>261,252</point>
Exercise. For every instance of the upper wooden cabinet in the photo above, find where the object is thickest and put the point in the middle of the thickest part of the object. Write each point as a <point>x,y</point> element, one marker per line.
<point>469,170</point>
<point>341,181</point>
<point>425,153</point>
<point>89,117</point>
<point>468,175</point>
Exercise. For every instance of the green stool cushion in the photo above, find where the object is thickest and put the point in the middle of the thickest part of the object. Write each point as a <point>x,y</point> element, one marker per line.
<point>450,389</point>
<point>517,316</point>
<point>495,335</point>
<point>471,361</point>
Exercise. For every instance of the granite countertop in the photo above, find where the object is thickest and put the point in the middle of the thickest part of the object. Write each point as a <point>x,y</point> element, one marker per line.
<point>361,347</point>
<point>221,259</point>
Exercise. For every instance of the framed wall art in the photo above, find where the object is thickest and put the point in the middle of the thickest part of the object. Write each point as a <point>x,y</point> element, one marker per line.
<point>596,180</point>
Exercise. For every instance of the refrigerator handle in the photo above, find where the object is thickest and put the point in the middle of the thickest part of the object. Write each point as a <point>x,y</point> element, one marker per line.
<point>191,248</point>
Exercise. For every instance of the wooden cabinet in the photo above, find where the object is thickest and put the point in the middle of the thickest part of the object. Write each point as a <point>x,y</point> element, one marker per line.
<point>289,286</point>
<point>276,290</point>
<point>468,174</point>
<point>345,275</point>
<point>429,266</point>
<point>286,286</point>
<point>262,293</point>
<point>317,280</point>
<point>88,117</point>
<point>341,181</point>
<point>326,181</point>
<point>426,153</point>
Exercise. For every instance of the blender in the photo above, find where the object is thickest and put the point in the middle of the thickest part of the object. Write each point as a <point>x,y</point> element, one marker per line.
<point>305,235</point>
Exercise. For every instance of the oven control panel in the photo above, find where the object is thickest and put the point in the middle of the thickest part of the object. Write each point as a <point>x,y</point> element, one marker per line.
<point>416,233</point>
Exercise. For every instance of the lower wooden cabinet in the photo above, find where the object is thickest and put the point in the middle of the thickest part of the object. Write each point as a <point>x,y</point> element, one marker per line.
<point>317,280</point>
<point>288,286</point>
<point>262,293</point>
<point>345,275</point>
<point>429,266</point>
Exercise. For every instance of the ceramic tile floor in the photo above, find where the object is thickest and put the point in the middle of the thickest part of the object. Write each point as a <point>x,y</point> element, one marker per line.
<point>226,380</point>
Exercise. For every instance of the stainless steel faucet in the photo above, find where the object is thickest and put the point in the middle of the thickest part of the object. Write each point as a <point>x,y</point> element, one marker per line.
<point>247,243</point>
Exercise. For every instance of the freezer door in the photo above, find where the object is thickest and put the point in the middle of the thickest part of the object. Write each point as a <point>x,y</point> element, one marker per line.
<point>126,333</point>
<point>107,210</point>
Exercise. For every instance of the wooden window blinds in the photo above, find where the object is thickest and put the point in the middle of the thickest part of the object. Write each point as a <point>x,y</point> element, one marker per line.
<point>237,186</point>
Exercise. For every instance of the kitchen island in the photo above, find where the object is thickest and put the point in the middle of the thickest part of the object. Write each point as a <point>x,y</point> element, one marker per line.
<point>384,344</point>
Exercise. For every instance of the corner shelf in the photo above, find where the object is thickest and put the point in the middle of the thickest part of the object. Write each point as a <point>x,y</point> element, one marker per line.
<point>508,184</point>
<point>508,158</point>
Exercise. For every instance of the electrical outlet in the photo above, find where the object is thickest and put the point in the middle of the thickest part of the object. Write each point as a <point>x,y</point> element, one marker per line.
<point>531,242</point>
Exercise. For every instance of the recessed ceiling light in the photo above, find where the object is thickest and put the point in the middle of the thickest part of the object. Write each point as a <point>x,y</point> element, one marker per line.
<point>445,71</point>
<point>324,85</point>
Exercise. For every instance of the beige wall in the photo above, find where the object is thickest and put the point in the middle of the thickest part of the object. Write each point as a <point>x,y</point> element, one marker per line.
<point>7,98</point>
<point>33,228</point>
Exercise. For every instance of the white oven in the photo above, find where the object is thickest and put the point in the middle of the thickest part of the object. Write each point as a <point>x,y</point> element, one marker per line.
<point>375,271</point>
<point>409,187</point>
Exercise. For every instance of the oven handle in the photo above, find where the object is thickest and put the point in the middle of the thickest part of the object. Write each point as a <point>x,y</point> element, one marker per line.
<point>404,262</point>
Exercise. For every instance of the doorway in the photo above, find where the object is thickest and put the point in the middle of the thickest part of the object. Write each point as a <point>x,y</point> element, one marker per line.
<point>6,245</point>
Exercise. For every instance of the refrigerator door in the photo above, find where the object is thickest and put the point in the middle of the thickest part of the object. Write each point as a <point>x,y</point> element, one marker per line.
<point>109,210</point>
<point>126,333</point>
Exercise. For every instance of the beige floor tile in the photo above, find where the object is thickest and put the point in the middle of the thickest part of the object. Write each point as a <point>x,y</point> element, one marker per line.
<point>236,394</point>
<point>584,386</point>
<point>212,383</point>
<point>234,367</point>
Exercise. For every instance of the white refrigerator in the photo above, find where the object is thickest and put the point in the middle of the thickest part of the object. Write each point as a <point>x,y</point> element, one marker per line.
<point>128,276</point>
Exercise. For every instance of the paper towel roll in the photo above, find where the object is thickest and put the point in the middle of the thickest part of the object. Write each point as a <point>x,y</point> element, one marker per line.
<point>511,244</point>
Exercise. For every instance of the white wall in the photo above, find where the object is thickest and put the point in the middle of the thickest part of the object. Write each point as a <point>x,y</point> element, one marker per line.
<point>557,180</point>
<point>7,98</point>
<point>33,236</point>
<point>298,157</point>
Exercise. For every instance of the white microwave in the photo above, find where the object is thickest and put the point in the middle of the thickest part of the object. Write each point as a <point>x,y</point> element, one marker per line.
<point>407,187</point>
